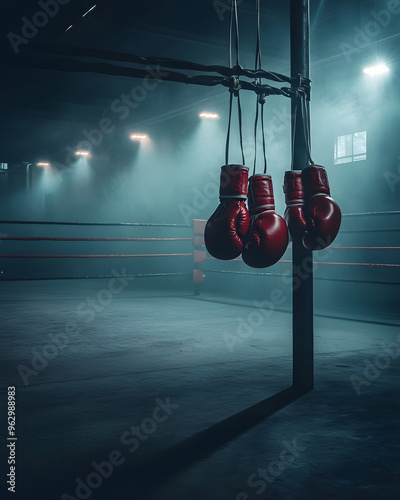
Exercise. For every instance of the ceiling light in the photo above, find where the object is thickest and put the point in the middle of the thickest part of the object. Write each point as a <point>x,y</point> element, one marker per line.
<point>43,164</point>
<point>376,70</point>
<point>209,116</point>
<point>82,153</point>
<point>139,137</point>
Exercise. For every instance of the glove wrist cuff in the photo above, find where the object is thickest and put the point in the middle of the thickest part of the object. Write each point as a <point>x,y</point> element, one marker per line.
<point>261,193</point>
<point>293,187</point>
<point>315,181</point>
<point>233,182</point>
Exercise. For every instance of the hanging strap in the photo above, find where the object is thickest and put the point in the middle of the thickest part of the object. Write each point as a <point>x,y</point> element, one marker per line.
<point>235,83</point>
<point>258,46</point>
<point>229,130</point>
<point>240,127</point>
<point>260,98</point>
<point>255,138</point>
<point>296,105</point>
<point>301,100</point>
<point>306,126</point>
<point>263,134</point>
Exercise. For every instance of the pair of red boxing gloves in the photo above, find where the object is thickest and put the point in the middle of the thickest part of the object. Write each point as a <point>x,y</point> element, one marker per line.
<point>259,233</point>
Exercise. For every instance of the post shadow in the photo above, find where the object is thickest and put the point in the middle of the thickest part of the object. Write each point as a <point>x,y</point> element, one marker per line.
<point>149,472</point>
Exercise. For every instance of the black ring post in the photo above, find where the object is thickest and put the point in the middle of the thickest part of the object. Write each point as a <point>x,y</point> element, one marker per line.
<point>303,335</point>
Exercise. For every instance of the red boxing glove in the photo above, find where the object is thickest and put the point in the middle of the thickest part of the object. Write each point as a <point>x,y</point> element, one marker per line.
<point>322,213</point>
<point>228,225</point>
<point>267,238</point>
<point>294,197</point>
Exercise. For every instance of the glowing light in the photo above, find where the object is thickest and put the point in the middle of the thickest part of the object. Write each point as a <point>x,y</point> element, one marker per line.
<point>82,153</point>
<point>90,10</point>
<point>376,70</point>
<point>209,116</point>
<point>139,137</point>
<point>43,164</point>
<point>69,27</point>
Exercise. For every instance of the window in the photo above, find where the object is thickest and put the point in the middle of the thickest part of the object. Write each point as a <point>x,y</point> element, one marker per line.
<point>351,147</point>
<point>3,166</point>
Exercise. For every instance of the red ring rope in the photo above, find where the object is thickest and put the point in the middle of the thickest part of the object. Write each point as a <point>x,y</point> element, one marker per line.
<point>362,264</point>
<point>93,256</point>
<point>40,238</point>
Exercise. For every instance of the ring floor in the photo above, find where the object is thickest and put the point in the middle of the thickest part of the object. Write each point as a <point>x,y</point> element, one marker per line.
<point>109,381</point>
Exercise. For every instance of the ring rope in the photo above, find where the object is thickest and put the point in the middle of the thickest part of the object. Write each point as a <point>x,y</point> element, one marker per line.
<point>75,66</point>
<point>393,212</point>
<point>356,264</point>
<point>40,238</point>
<point>59,50</point>
<point>365,248</point>
<point>388,230</point>
<point>125,224</point>
<point>85,256</point>
<point>96,277</point>
<point>322,278</point>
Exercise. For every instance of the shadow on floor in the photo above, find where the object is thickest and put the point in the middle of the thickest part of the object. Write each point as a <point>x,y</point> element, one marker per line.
<point>147,474</point>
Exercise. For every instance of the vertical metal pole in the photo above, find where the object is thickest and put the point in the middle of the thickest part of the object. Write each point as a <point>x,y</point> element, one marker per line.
<point>303,329</point>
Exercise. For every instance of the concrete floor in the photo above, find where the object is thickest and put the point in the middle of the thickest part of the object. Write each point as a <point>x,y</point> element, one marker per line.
<point>121,355</point>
